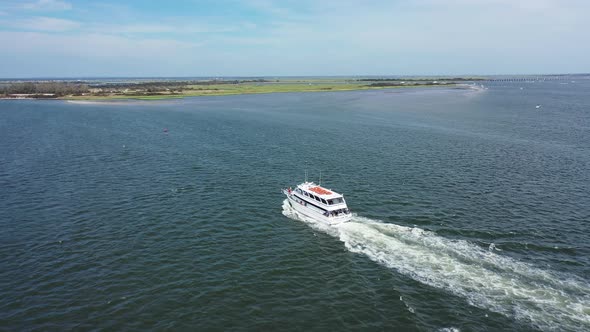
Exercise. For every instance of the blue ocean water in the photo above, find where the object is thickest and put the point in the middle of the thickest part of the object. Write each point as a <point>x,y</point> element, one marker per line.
<point>471,211</point>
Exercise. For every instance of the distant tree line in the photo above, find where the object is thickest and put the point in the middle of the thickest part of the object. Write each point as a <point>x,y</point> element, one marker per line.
<point>161,85</point>
<point>58,89</point>
<point>65,88</point>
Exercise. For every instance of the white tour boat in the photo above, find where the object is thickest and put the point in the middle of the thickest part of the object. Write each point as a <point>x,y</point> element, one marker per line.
<point>319,203</point>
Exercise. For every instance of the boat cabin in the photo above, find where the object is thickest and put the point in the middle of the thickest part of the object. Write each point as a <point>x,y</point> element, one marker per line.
<point>310,191</point>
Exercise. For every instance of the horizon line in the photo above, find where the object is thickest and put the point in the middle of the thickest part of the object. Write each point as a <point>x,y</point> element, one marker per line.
<point>288,76</point>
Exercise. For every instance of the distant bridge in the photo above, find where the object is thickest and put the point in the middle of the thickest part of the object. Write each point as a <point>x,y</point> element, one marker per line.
<point>538,78</point>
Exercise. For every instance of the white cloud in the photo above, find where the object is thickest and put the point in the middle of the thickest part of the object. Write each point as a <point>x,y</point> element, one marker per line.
<point>270,7</point>
<point>91,45</point>
<point>41,23</point>
<point>438,26</point>
<point>48,5</point>
<point>175,28</point>
<point>35,54</point>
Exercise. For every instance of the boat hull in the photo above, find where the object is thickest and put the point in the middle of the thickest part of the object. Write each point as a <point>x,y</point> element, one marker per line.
<point>315,213</point>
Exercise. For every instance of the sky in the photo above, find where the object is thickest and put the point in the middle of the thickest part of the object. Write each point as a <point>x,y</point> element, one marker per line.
<point>148,38</point>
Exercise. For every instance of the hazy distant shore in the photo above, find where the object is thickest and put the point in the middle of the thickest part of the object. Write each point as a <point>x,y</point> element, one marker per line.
<point>127,98</point>
<point>171,89</point>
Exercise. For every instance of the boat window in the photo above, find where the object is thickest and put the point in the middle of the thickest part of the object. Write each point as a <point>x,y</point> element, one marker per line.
<point>316,198</point>
<point>330,202</point>
<point>324,201</point>
<point>338,200</point>
<point>305,193</point>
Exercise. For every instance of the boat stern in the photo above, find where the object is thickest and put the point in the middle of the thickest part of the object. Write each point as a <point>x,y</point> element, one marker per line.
<point>333,221</point>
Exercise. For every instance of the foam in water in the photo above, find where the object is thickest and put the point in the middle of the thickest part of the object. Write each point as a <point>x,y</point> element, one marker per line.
<point>544,299</point>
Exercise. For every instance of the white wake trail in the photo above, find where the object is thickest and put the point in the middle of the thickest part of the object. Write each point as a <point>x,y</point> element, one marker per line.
<point>545,299</point>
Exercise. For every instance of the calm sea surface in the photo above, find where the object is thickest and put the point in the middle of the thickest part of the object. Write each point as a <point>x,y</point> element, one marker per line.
<point>472,212</point>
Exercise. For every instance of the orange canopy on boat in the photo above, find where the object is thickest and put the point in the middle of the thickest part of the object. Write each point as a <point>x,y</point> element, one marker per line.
<point>320,190</point>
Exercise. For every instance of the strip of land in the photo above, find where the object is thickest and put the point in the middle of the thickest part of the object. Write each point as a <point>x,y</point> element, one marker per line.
<point>168,88</point>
